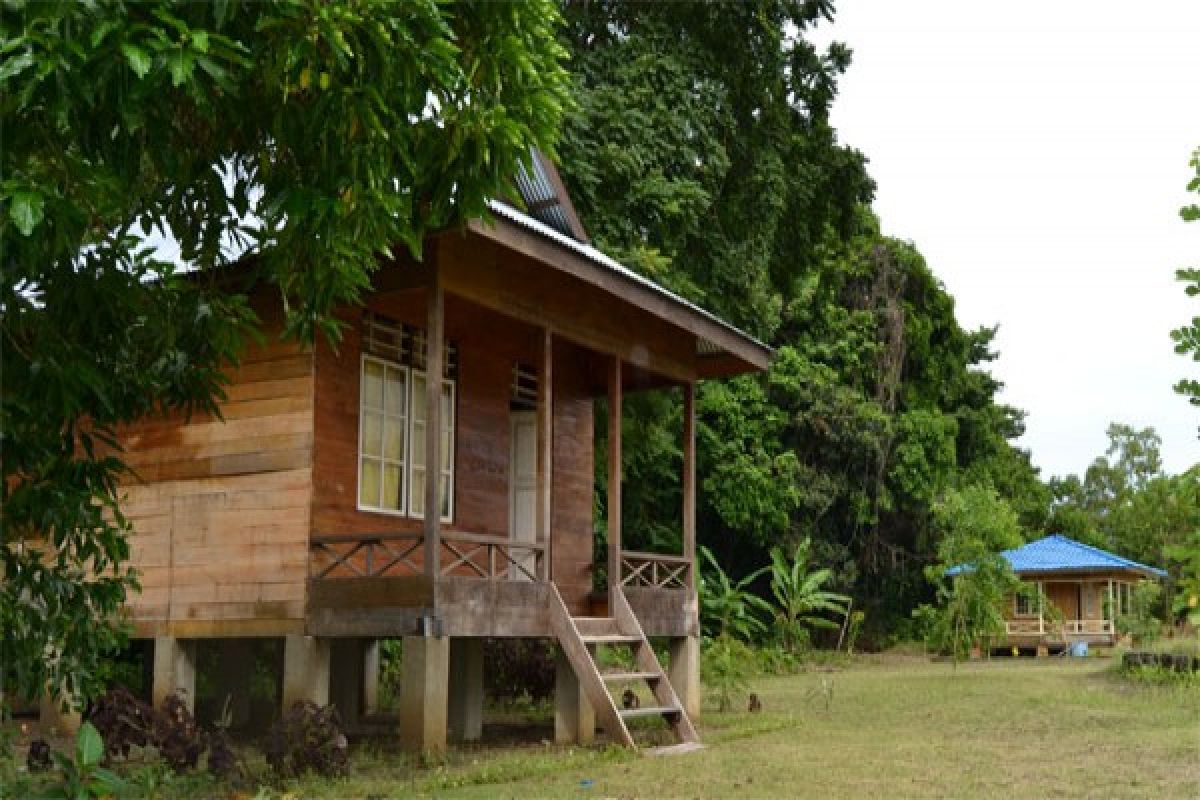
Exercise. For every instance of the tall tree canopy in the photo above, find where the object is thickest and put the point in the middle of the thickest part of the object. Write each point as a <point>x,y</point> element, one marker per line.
<point>318,133</point>
<point>702,153</point>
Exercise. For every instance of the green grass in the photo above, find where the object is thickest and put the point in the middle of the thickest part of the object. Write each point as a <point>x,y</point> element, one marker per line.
<point>886,727</point>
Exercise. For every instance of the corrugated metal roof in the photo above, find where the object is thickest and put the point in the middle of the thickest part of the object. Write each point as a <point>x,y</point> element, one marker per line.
<point>539,196</point>
<point>1057,553</point>
<point>506,211</point>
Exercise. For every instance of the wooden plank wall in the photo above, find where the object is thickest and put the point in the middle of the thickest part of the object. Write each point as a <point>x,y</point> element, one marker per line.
<point>220,509</point>
<point>489,344</point>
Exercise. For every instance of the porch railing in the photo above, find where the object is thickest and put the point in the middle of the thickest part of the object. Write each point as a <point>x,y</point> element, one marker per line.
<point>1070,627</point>
<point>655,570</point>
<point>469,555</point>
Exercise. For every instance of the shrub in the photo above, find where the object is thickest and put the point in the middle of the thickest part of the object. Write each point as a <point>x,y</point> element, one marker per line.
<point>309,738</point>
<point>178,739</point>
<point>726,665</point>
<point>123,721</point>
<point>518,668</point>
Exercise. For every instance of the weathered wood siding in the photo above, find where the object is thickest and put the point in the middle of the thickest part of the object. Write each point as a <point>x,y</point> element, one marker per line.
<point>488,344</point>
<point>220,508</point>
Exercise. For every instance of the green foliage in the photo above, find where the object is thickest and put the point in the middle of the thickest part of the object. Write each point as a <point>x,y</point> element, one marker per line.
<point>728,609</point>
<point>799,597</point>
<point>726,666</point>
<point>1142,620</point>
<point>316,134</point>
<point>82,777</point>
<point>975,525</point>
<point>701,154</point>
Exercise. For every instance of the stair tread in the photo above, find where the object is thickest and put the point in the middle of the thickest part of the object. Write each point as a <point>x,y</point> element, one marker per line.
<point>594,619</point>
<point>630,676</point>
<point>648,711</point>
<point>609,638</point>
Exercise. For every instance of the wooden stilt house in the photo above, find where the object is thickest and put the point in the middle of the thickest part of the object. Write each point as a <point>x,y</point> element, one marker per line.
<point>431,479</point>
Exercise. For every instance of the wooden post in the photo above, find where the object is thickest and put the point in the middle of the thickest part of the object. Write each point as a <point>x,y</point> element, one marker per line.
<point>1112,611</point>
<point>1041,611</point>
<point>434,343</point>
<point>614,477</point>
<point>689,481</point>
<point>545,474</point>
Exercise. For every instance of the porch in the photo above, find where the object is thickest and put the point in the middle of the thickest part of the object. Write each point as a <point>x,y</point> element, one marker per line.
<point>1064,609</point>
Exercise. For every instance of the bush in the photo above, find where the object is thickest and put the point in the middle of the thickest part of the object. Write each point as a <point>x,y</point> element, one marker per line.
<point>727,664</point>
<point>519,668</point>
<point>125,722</point>
<point>309,738</point>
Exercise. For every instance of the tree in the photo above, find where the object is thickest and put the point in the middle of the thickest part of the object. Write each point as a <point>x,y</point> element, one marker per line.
<point>317,134</point>
<point>974,581</point>
<point>1187,337</point>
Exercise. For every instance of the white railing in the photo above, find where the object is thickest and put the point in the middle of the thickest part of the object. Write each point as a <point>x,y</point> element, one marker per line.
<point>1069,627</point>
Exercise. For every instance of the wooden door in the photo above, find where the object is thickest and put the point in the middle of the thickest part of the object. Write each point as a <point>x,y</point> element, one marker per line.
<point>522,491</point>
<point>1066,597</point>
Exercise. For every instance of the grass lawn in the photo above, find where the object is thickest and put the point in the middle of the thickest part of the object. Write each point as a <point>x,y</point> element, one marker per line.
<point>894,727</point>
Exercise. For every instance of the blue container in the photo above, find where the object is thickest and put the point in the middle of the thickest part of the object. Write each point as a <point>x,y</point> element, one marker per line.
<point>1079,649</point>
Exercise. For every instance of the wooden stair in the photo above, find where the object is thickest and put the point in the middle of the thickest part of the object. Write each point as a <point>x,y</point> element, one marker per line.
<point>579,637</point>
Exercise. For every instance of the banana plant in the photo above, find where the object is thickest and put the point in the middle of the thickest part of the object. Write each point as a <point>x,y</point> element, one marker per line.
<point>801,601</point>
<point>729,608</point>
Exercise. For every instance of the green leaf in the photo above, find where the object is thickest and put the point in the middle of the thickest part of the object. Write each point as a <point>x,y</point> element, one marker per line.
<point>26,211</point>
<point>89,746</point>
<point>137,59</point>
<point>180,64</point>
<point>15,65</point>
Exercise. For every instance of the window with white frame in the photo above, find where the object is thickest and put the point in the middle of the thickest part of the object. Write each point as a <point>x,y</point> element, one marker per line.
<point>391,445</point>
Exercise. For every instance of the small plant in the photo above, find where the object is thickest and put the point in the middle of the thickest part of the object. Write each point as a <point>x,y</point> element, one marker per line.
<point>82,776</point>
<point>727,666</point>
<point>309,738</point>
<point>222,761</point>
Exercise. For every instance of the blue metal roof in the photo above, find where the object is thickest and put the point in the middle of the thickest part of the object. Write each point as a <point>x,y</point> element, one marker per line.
<point>1057,553</point>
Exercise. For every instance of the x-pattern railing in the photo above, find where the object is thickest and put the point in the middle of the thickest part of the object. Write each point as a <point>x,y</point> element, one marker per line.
<point>365,556</point>
<point>393,554</point>
<point>656,570</point>
<point>493,558</point>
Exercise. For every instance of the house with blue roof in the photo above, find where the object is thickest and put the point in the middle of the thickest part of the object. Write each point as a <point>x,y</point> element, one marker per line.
<point>1090,588</point>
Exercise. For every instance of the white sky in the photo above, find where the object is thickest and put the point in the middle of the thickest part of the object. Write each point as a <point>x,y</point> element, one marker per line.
<point>1037,155</point>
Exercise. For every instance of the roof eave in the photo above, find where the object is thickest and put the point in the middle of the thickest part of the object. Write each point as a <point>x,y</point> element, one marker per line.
<point>510,227</point>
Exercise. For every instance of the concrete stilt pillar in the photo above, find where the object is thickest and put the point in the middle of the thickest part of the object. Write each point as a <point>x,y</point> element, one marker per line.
<point>174,670</point>
<point>424,688</point>
<point>684,673</point>
<point>370,694</point>
<point>466,689</point>
<point>305,670</point>
<point>346,678</point>
<point>574,717</point>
